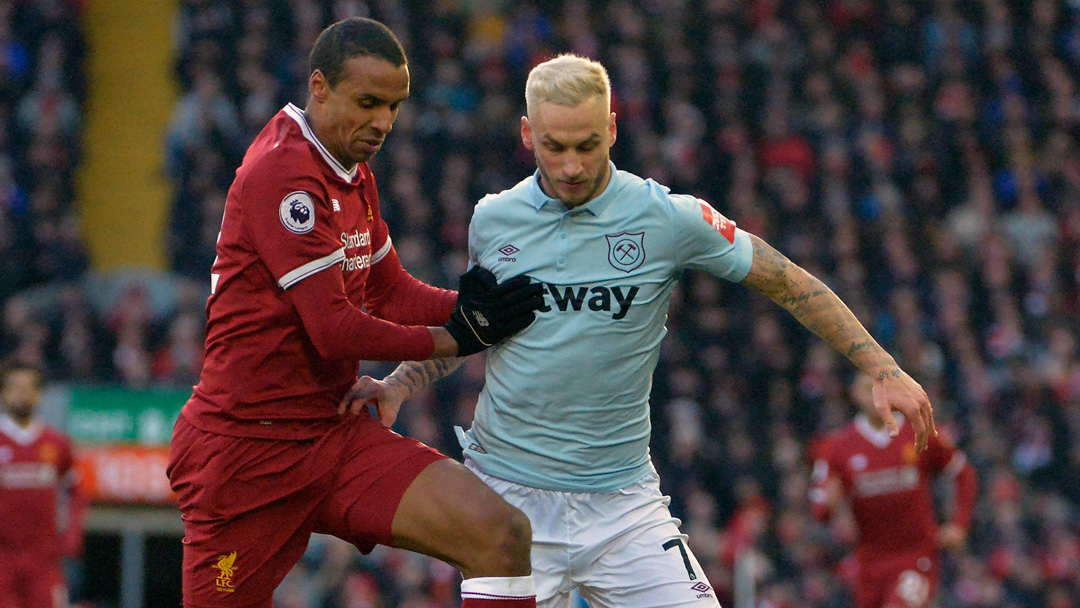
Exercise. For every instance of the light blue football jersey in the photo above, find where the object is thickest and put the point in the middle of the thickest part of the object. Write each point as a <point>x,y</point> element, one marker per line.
<point>565,404</point>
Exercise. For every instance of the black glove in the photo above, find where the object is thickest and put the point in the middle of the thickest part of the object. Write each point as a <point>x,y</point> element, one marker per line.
<point>488,311</point>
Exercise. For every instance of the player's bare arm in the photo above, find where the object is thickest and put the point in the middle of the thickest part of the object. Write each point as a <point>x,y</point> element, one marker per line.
<point>413,376</point>
<point>388,394</point>
<point>825,314</point>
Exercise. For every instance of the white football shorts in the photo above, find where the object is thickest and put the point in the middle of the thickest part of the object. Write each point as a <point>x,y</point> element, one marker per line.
<point>619,550</point>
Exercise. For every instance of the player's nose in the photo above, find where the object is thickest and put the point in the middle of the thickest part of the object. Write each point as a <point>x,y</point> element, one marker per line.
<point>383,121</point>
<point>572,166</point>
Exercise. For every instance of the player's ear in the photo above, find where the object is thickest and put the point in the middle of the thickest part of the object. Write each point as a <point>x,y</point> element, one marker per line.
<point>611,128</point>
<point>526,133</point>
<point>318,86</point>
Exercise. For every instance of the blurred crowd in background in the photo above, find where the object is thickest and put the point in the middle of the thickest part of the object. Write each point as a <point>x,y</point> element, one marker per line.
<point>42,93</point>
<point>921,157</point>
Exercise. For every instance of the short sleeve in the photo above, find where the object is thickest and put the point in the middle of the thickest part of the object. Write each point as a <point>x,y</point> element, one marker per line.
<point>709,241</point>
<point>476,247</point>
<point>291,227</point>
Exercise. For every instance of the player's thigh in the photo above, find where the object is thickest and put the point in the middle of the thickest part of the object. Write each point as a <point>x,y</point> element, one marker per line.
<point>553,541</point>
<point>29,581</point>
<point>448,513</point>
<point>44,587</point>
<point>637,557</point>
<point>242,563</point>
<point>248,510</point>
<point>550,569</point>
<point>904,582</point>
<point>375,468</point>
<point>10,586</point>
<point>653,570</point>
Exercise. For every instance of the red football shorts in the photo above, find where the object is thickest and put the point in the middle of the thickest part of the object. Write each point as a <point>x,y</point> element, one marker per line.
<point>250,505</point>
<point>30,580</point>
<point>901,582</point>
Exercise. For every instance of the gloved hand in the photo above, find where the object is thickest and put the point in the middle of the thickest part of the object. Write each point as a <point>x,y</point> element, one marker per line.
<point>488,311</point>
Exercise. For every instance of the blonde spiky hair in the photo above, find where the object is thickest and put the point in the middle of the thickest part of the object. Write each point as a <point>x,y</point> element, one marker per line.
<point>566,80</point>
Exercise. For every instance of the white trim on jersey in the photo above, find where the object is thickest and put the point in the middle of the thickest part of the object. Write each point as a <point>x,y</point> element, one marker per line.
<point>879,437</point>
<point>298,115</point>
<point>294,276</point>
<point>382,252</point>
<point>21,435</point>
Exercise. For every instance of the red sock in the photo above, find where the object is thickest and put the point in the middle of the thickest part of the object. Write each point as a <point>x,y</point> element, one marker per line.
<point>498,592</point>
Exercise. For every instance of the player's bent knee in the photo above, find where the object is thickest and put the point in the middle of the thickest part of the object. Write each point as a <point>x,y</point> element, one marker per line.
<point>448,513</point>
<point>502,540</point>
<point>519,533</point>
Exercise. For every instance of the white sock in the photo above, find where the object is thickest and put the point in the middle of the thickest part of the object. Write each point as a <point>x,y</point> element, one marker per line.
<point>498,587</point>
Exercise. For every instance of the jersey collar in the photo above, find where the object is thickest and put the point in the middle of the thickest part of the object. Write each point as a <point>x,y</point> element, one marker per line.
<point>21,435</point>
<point>595,206</point>
<point>297,114</point>
<point>878,437</point>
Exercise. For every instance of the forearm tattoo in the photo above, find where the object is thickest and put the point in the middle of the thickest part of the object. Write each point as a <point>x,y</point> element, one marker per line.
<point>814,305</point>
<point>415,376</point>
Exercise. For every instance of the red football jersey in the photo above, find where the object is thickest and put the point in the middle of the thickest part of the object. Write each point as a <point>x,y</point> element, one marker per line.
<point>35,463</point>
<point>888,485</point>
<point>292,212</point>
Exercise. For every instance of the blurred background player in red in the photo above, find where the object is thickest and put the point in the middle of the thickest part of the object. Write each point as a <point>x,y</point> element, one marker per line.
<point>890,491</point>
<point>36,479</point>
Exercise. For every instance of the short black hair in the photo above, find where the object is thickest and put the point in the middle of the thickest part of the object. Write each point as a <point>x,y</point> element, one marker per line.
<point>350,38</point>
<point>14,364</point>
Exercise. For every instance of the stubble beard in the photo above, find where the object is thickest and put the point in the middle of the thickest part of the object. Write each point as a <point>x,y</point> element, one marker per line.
<point>571,203</point>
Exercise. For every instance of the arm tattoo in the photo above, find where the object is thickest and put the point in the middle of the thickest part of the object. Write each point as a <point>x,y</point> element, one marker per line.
<point>788,285</point>
<point>855,347</point>
<point>768,267</point>
<point>814,305</point>
<point>415,376</point>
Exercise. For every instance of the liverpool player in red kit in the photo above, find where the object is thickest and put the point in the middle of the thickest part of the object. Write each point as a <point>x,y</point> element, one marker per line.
<point>305,285</point>
<point>35,467</point>
<point>889,488</point>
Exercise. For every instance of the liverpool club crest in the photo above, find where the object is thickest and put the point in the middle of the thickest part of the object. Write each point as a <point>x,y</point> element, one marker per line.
<point>626,250</point>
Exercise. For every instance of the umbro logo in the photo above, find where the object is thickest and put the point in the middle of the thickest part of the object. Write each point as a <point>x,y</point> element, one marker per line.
<point>702,589</point>
<point>336,204</point>
<point>476,448</point>
<point>508,252</point>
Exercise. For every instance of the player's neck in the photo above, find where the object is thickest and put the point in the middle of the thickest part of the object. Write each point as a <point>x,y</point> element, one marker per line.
<point>314,122</point>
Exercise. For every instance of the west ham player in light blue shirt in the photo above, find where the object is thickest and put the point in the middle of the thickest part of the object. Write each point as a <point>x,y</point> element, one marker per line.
<point>561,428</point>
